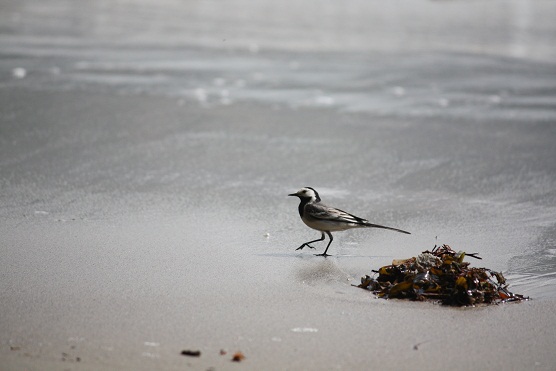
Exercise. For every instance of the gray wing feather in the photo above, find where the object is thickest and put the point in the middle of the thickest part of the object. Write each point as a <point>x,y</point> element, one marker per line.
<point>326,213</point>
<point>323,212</point>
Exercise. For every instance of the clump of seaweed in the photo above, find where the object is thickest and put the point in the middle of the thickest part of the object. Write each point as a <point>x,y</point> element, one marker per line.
<point>440,275</point>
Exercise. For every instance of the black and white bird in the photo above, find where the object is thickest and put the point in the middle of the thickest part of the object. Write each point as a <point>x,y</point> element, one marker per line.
<point>327,219</point>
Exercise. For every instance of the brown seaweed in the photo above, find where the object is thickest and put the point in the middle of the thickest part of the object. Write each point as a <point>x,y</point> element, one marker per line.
<point>440,275</point>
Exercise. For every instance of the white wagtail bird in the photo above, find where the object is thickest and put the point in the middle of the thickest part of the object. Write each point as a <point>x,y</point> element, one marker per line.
<point>327,219</point>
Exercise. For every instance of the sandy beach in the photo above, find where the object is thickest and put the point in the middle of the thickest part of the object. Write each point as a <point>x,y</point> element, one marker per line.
<point>147,150</point>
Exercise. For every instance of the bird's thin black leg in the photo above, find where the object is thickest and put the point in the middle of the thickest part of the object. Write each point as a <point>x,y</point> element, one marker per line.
<point>327,246</point>
<point>307,243</point>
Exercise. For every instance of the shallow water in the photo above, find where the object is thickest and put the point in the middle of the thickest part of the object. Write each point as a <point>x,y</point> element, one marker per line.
<point>440,117</point>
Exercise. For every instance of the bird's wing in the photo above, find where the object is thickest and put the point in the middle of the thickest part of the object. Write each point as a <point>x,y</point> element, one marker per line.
<point>323,212</point>
<point>326,213</point>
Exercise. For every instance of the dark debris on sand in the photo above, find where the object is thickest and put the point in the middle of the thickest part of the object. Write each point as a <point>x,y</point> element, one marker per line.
<point>191,353</point>
<point>238,357</point>
<point>440,275</point>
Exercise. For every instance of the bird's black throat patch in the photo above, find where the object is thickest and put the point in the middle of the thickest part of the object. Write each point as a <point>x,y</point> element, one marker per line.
<point>302,203</point>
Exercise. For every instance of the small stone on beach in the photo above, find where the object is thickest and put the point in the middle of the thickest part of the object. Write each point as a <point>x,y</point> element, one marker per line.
<point>238,357</point>
<point>191,353</point>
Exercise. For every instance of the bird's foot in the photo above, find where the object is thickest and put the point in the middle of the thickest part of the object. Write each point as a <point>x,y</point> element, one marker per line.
<point>302,246</point>
<point>323,254</point>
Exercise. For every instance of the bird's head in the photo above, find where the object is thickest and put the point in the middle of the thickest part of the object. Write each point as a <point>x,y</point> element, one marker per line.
<point>307,193</point>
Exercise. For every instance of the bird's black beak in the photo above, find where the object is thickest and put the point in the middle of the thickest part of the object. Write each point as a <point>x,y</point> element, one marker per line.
<point>292,194</point>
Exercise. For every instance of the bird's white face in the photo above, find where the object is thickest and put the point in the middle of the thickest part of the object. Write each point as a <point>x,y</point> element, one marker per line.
<point>306,193</point>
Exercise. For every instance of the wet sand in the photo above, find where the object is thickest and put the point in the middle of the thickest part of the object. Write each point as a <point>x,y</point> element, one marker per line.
<point>106,263</point>
<point>145,164</point>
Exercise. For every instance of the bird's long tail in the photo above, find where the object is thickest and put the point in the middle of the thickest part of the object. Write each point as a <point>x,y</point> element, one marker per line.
<point>384,227</point>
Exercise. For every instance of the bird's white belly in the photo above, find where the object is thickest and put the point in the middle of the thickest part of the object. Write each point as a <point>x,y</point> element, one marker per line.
<point>328,225</point>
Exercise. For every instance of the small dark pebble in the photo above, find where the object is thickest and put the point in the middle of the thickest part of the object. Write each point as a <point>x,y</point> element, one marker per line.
<point>238,357</point>
<point>191,353</point>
